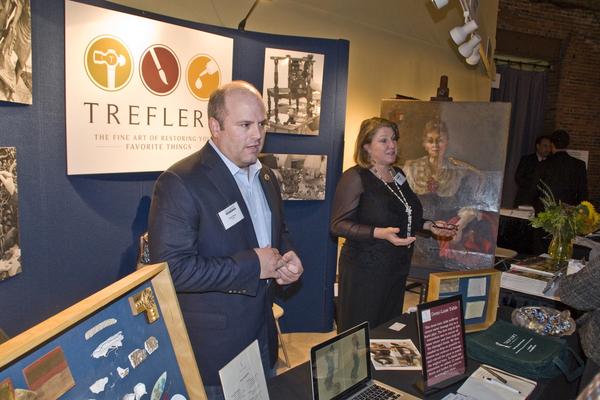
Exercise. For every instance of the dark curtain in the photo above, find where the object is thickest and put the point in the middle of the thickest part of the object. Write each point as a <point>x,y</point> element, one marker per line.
<point>526,91</point>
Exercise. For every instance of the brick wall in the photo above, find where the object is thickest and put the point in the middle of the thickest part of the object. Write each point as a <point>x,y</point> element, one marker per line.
<point>573,100</point>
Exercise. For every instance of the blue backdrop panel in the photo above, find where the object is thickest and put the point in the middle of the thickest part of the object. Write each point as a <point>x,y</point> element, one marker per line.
<point>79,234</point>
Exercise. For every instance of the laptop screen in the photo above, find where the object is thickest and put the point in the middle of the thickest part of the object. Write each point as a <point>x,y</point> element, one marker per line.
<point>341,365</point>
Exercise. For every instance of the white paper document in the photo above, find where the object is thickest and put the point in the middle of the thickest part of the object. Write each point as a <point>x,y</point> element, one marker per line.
<point>243,377</point>
<point>495,384</point>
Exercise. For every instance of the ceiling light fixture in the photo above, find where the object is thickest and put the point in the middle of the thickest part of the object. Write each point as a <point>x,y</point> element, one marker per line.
<point>460,33</point>
<point>470,49</point>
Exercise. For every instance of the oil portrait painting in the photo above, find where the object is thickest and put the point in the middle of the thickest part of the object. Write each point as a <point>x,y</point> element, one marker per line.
<point>453,156</point>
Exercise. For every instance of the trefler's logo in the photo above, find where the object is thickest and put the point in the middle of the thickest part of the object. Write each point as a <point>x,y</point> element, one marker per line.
<point>203,76</point>
<point>108,63</point>
<point>159,70</point>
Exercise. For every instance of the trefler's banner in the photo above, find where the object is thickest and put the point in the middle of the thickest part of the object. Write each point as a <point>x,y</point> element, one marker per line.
<point>136,89</point>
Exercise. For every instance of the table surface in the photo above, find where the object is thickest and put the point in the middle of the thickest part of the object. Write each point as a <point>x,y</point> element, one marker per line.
<point>295,383</point>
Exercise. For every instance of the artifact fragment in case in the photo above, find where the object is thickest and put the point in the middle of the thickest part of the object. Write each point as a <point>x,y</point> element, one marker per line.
<point>144,302</point>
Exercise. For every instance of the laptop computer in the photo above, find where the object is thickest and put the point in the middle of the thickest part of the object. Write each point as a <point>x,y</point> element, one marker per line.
<point>341,369</point>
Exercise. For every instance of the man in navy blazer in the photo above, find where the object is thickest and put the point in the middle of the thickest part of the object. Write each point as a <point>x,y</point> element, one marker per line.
<point>216,218</point>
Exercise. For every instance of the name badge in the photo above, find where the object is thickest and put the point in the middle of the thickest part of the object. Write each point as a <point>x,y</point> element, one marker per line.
<point>231,215</point>
<point>400,179</point>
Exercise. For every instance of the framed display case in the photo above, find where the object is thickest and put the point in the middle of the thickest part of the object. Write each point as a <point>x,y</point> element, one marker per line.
<point>125,341</point>
<point>479,289</point>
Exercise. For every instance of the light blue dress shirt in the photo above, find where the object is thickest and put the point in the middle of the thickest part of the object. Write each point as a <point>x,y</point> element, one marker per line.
<point>254,197</point>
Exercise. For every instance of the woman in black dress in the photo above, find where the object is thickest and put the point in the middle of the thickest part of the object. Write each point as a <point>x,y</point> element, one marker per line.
<point>377,213</point>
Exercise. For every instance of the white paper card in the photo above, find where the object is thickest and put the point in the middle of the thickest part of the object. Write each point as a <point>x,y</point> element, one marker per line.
<point>400,179</point>
<point>243,377</point>
<point>476,287</point>
<point>396,326</point>
<point>231,215</point>
<point>474,309</point>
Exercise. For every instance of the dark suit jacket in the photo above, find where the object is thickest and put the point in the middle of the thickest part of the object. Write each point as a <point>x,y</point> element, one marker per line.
<point>566,176</point>
<point>525,178</point>
<point>215,271</point>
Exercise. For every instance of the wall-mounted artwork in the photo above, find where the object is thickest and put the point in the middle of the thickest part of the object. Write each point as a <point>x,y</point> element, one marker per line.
<point>10,251</point>
<point>293,82</point>
<point>453,156</point>
<point>15,51</point>
<point>300,176</point>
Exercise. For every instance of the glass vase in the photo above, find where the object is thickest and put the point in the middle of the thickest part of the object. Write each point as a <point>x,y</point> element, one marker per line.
<point>561,248</point>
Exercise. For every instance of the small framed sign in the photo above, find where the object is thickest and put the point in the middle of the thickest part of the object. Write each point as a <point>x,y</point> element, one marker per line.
<point>442,341</point>
<point>479,289</point>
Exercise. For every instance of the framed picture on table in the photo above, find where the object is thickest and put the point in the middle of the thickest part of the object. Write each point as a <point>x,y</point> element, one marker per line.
<point>479,289</point>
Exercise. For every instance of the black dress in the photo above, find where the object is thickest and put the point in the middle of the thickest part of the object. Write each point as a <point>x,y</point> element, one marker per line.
<point>372,271</point>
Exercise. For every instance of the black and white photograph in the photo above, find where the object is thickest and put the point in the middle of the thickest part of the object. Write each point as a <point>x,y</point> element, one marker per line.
<point>300,176</point>
<point>398,354</point>
<point>293,82</point>
<point>15,51</point>
<point>10,252</point>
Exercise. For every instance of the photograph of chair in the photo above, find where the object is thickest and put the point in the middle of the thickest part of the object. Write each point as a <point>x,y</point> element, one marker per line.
<point>292,91</point>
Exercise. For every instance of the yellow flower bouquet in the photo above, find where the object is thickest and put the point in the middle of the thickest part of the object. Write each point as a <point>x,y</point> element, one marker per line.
<point>564,222</point>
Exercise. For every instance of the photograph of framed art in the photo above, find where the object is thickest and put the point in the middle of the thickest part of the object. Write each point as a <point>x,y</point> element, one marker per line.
<point>479,289</point>
<point>10,249</point>
<point>300,176</point>
<point>453,156</point>
<point>293,82</point>
<point>15,51</point>
<point>123,342</point>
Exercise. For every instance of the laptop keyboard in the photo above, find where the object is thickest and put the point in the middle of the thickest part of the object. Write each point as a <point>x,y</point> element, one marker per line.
<point>377,392</point>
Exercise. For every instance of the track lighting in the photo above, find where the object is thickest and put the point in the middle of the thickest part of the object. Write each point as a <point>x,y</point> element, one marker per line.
<point>469,50</point>
<point>460,33</point>
<point>474,58</point>
<point>466,49</point>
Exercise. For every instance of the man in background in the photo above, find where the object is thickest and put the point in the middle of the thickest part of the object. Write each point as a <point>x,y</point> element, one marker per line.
<point>217,219</point>
<point>526,171</point>
<point>566,176</point>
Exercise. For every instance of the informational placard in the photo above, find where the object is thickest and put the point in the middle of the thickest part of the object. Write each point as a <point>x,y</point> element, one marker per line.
<point>442,340</point>
<point>136,89</point>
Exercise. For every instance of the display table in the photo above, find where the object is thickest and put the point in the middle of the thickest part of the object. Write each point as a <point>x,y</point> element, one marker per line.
<point>295,384</point>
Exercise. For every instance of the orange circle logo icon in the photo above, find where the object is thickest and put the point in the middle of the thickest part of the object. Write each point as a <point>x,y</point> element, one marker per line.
<point>108,63</point>
<point>159,70</point>
<point>203,76</point>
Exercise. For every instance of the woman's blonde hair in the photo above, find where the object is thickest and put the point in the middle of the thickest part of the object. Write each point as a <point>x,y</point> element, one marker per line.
<point>368,128</point>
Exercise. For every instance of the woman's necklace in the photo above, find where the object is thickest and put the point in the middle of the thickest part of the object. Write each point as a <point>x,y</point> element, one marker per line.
<point>399,195</point>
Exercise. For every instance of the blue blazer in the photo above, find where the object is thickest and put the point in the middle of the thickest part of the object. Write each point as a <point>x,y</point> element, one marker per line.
<point>215,271</point>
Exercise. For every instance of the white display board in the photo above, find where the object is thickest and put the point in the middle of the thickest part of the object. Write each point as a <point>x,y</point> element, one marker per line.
<point>136,89</point>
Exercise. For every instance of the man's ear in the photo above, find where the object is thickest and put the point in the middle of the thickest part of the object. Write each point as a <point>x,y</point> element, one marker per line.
<point>214,126</point>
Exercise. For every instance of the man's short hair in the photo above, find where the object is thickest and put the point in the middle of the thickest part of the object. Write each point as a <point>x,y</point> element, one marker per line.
<point>217,108</point>
<point>539,139</point>
<point>560,138</point>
